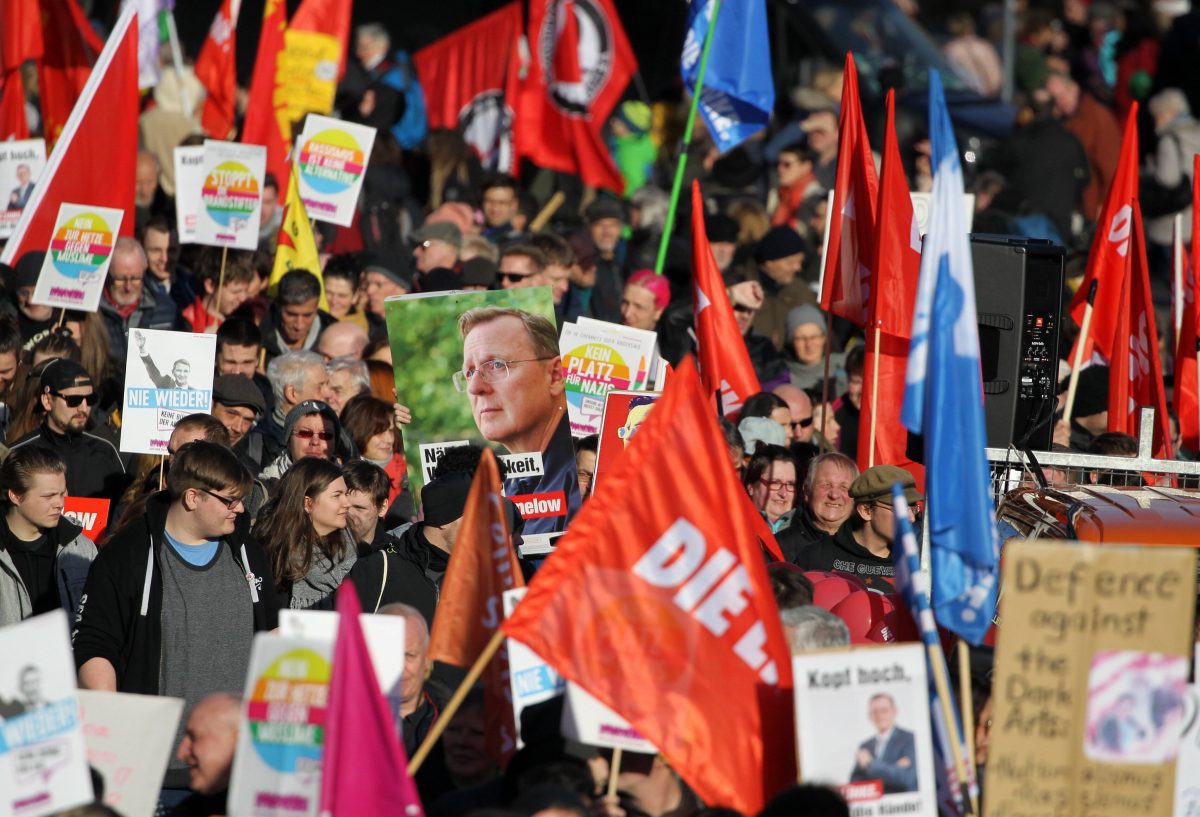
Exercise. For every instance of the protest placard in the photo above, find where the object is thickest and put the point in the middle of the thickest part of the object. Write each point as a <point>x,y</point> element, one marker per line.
<point>90,514</point>
<point>129,741</point>
<point>862,727</point>
<point>189,180</point>
<point>1187,765</point>
<point>332,164</point>
<point>598,357</point>
<point>21,164</point>
<point>588,721</point>
<point>308,69</point>
<point>281,736</point>
<point>517,405</point>
<point>1091,674</point>
<point>531,680</point>
<point>231,195</point>
<point>43,765</point>
<point>80,252</point>
<point>168,375</point>
<point>624,411</point>
<point>384,636</point>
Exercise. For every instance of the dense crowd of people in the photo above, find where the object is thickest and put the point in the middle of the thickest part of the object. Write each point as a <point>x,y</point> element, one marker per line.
<point>297,483</point>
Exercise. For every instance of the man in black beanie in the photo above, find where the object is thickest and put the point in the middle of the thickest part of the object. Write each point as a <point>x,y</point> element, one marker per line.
<point>1089,416</point>
<point>780,256</point>
<point>411,569</point>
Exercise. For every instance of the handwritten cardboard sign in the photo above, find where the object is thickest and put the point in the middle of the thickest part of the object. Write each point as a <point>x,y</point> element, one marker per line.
<point>129,742</point>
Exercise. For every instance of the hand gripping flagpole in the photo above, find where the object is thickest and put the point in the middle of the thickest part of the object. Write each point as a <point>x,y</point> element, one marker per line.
<point>1069,409</point>
<point>681,165</point>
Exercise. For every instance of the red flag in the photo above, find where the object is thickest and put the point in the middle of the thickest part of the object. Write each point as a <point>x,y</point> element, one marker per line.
<point>69,52</point>
<point>363,770</point>
<point>20,33</point>
<point>1186,396</point>
<point>267,120</point>
<point>216,70</point>
<point>581,63</point>
<point>662,609</point>
<point>724,362</point>
<point>329,17</point>
<point>95,158</point>
<point>465,76</point>
<point>893,290</point>
<point>850,238</point>
<point>482,566</point>
<point>1110,260</point>
<point>13,122</point>
<point>1135,372</point>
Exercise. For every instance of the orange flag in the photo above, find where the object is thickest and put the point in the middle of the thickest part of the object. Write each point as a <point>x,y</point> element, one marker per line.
<point>267,120</point>
<point>661,608</point>
<point>216,70</point>
<point>724,361</point>
<point>482,566</point>
<point>845,289</point>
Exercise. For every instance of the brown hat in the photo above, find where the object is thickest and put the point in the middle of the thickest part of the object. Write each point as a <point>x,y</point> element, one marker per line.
<point>876,483</point>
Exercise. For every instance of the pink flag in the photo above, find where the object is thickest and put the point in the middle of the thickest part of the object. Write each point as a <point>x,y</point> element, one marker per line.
<point>361,742</point>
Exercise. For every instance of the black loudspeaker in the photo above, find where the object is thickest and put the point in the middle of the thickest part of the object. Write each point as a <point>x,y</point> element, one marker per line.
<point>1018,303</point>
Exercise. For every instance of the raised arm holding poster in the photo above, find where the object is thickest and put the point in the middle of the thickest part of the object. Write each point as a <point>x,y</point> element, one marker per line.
<point>1090,683</point>
<point>332,165</point>
<point>231,195</point>
<point>73,273</point>
<point>168,375</point>
<point>21,163</point>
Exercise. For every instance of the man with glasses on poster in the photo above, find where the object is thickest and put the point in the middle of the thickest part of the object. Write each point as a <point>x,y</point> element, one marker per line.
<point>66,396</point>
<point>512,375</point>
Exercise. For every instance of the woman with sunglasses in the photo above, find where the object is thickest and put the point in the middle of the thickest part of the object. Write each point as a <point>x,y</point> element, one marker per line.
<point>311,429</point>
<point>303,530</point>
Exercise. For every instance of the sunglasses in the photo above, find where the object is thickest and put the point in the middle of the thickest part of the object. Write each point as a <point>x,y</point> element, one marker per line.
<point>308,434</point>
<point>75,400</point>
<point>511,277</point>
<point>745,310</point>
<point>805,423</point>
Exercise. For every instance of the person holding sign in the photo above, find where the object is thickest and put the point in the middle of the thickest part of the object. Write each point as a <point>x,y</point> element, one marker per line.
<point>890,755</point>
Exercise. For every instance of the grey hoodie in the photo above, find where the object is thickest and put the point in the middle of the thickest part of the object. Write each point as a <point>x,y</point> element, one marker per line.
<point>72,562</point>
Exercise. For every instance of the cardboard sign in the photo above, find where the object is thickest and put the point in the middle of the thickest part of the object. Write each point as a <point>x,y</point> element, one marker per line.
<point>332,165</point>
<point>598,358</point>
<point>1090,681</point>
<point>624,411</point>
<point>231,195</point>
<point>862,727</point>
<point>518,409</point>
<point>189,180</point>
<point>531,680</point>
<point>588,721</point>
<point>90,514</point>
<point>281,737</point>
<point>43,765</point>
<point>72,275</point>
<point>21,165</point>
<point>129,742</point>
<point>1187,765</point>
<point>168,375</point>
<point>308,69</point>
<point>384,635</point>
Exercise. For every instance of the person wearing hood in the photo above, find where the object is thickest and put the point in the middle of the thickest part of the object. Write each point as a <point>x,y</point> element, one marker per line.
<point>863,544</point>
<point>311,429</point>
<point>44,556</point>
<point>804,352</point>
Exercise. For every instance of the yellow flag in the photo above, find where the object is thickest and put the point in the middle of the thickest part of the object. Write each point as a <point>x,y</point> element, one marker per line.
<point>296,249</point>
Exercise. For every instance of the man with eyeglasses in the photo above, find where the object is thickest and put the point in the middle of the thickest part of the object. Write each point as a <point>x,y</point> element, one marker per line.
<point>127,303</point>
<point>512,375</point>
<point>863,545</point>
<point>173,601</point>
<point>66,396</point>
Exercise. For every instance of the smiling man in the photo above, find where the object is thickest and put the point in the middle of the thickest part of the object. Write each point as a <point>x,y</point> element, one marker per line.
<point>512,375</point>
<point>825,504</point>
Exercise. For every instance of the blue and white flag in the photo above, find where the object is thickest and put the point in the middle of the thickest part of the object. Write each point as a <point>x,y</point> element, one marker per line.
<point>739,92</point>
<point>943,400</point>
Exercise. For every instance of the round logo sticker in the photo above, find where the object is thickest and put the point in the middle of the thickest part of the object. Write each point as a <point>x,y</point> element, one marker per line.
<point>331,162</point>
<point>81,246</point>
<point>286,711</point>
<point>230,194</point>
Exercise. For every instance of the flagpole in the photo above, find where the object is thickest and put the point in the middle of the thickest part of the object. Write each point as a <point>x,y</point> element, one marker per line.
<point>460,695</point>
<point>220,282</point>
<point>681,164</point>
<point>942,682</point>
<point>966,699</point>
<point>1069,409</point>
<point>874,398</point>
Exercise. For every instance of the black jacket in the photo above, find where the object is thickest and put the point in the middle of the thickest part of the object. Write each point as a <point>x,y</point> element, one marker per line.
<point>845,555</point>
<point>122,622</point>
<point>270,325</point>
<point>94,467</point>
<point>799,536</point>
<point>400,572</point>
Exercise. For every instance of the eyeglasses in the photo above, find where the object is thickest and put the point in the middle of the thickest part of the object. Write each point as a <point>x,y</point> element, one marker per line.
<point>512,277</point>
<point>228,501</point>
<point>779,484</point>
<point>912,509</point>
<point>809,338</point>
<point>805,423</point>
<point>491,371</point>
<point>308,434</point>
<point>75,400</point>
<point>124,281</point>
<point>745,310</point>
